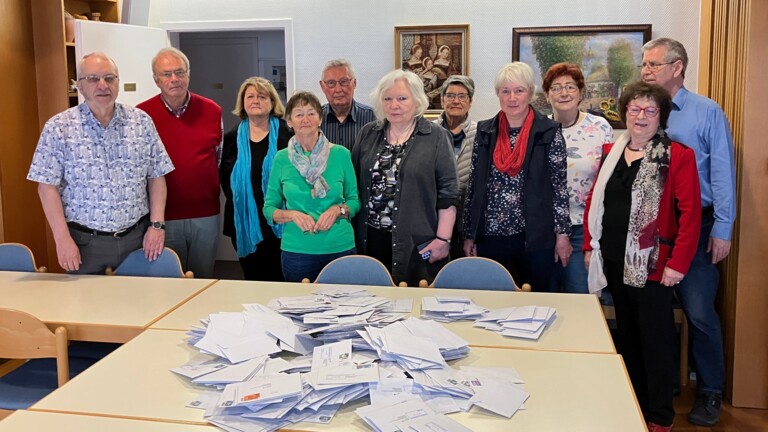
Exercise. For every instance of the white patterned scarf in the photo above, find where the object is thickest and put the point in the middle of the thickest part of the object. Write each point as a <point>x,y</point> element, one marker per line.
<point>642,247</point>
<point>312,167</point>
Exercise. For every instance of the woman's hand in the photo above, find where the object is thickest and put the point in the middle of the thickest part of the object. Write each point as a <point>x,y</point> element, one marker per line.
<point>440,250</point>
<point>470,248</point>
<point>327,219</point>
<point>671,277</point>
<point>587,258</point>
<point>563,249</point>
<point>303,221</point>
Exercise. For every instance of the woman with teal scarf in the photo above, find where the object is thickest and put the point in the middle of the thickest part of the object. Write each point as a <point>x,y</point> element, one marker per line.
<point>246,164</point>
<point>312,192</point>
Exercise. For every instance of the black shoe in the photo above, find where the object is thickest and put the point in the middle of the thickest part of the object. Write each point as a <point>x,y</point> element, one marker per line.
<point>706,409</point>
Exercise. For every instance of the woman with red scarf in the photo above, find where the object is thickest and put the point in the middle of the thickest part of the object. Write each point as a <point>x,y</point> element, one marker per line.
<point>516,210</point>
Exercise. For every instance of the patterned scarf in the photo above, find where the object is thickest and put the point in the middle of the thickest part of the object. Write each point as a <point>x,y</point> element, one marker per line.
<point>312,167</point>
<point>247,226</point>
<point>642,250</point>
<point>507,160</point>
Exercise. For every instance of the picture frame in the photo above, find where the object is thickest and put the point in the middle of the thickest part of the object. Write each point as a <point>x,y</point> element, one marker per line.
<point>434,52</point>
<point>608,55</point>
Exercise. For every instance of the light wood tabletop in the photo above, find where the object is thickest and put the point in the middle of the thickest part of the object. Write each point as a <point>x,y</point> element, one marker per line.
<point>569,391</point>
<point>579,327</point>
<point>31,421</point>
<point>96,308</point>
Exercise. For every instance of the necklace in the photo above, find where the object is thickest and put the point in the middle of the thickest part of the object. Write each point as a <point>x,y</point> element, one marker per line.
<point>397,139</point>
<point>629,147</point>
<point>576,120</point>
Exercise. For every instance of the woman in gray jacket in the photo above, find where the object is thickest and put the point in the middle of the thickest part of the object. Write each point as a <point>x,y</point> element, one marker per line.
<point>407,182</point>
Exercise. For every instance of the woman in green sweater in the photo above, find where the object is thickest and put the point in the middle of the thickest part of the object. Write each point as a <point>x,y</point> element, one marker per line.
<point>313,192</point>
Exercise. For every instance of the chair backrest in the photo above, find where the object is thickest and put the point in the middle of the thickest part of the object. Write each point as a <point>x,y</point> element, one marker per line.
<point>475,273</point>
<point>355,270</point>
<point>16,257</point>
<point>167,265</point>
<point>23,336</point>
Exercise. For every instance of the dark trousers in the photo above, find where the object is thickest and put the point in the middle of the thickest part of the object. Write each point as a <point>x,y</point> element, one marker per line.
<point>264,263</point>
<point>532,267</point>
<point>646,340</point>
<point>97,252</point>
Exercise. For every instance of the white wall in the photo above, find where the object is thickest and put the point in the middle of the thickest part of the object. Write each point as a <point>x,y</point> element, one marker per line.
<point>363,30</point>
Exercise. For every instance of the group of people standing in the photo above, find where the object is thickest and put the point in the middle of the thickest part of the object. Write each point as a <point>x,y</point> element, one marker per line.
<point>556,200</point>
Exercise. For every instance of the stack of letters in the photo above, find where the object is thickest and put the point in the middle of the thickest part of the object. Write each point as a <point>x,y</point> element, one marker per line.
<point>526,322</point>
<point>445,308</point>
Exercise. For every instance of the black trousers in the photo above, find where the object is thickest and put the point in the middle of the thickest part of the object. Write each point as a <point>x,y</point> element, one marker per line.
<point>646,340</point>
<point>264,263</point>
<point>532,267</point>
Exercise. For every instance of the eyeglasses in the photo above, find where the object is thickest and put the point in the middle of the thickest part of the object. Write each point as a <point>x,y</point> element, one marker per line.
<point>94,79</point>
<point>654,67</point>
<point>650,112</point>
<point>344,82</point>
<point>460,96</point>
<point>570,88</point>
<point>180,73</point>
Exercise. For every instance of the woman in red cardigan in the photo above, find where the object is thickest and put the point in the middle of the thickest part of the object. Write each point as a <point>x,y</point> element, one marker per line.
<point>641,228</point>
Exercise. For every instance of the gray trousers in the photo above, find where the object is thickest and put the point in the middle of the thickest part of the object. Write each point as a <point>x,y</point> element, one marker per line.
<point>194,241</point>
<point>97,252</point>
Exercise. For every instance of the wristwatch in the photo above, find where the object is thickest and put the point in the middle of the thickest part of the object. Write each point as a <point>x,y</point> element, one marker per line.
<point>160,225</point>
<point>342,210</point>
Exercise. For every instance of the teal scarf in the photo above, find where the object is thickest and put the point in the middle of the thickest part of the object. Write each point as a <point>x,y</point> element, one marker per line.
<point>247,226</point>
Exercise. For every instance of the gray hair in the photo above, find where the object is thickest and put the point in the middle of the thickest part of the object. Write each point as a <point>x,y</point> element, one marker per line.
<point>387,81</point>
<point>462,80</point>
<point>340,62</point>
<point>516,72</point>
<point>675,50</point>
<point>96,54</point>
<point>172,51</point>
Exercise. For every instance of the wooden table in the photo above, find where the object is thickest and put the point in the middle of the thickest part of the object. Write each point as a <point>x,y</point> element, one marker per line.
<point>580,325</point>
<point>569,391</point>
<point>96,308</point>
<point>31,421</point>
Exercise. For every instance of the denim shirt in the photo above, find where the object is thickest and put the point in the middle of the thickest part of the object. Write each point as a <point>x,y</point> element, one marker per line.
<point>426,183</point>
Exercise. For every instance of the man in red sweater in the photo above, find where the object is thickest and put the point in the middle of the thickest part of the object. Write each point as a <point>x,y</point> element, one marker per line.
<point>190,128</point>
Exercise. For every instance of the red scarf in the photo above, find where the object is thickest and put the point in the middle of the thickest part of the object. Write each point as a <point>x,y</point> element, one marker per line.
<point>507,160</point>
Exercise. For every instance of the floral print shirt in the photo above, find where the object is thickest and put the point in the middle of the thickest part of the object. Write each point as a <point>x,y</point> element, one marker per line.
<point>584,147</point>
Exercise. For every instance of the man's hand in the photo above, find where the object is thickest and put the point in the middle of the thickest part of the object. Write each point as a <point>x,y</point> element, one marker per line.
<point>68,254</point>
<point>720,249</point>
<point>154,240</point>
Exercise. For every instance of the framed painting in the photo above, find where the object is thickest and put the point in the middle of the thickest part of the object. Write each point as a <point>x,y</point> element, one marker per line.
<point>609,57</point>
<point>434,53</point>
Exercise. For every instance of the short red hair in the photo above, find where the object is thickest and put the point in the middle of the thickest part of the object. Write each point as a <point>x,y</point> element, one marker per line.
<point>560,69</point>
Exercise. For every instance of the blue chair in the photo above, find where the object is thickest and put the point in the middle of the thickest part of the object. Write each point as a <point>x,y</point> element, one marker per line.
<point>166,265</point>
<point>17,257</point>
<point>475,273</point>
<point>355,270</point>
<point>22,336</point>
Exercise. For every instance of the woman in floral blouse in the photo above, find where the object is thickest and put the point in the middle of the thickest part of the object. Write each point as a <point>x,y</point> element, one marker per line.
<point>584,135</point>
<point>516,209</point>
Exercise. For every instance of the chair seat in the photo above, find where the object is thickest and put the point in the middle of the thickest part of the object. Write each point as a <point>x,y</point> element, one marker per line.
<point>27,384</point>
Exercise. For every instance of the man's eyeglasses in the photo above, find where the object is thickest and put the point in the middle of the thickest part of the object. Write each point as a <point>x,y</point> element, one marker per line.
<point>654,67</point>
<point>344,82</point>
<point>94,79</point>
<point>460,96</point>
<point>180,73</point>
<point>570,88</point>
<point>650,112</point>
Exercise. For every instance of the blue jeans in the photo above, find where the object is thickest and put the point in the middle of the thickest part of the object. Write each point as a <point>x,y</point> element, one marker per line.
<point>697,294</point>
<point>297,266</point>
<point>573,278</point>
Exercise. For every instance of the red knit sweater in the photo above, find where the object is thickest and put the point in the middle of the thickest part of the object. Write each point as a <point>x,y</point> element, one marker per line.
<point>191,141</point>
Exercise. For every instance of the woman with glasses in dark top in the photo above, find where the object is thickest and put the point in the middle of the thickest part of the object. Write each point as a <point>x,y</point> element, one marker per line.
<point>641,231</point>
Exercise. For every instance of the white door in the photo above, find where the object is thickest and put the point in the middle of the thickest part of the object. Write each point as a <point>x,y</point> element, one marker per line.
<point>132,48</point>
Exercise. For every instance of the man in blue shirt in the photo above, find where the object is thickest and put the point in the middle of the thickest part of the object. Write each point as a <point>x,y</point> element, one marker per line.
<point>343,117</point>
<point>700,123</point>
